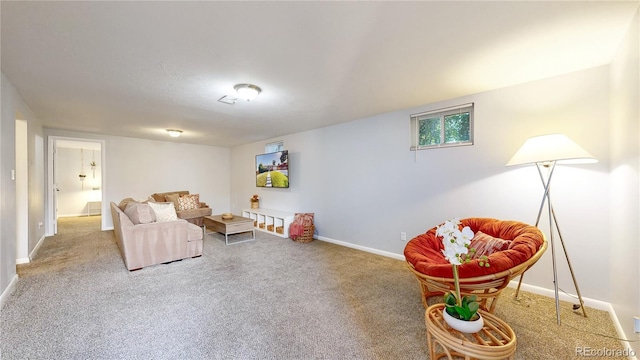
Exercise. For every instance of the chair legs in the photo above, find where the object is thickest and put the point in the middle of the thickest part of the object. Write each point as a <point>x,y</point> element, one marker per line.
<point>488,298</point>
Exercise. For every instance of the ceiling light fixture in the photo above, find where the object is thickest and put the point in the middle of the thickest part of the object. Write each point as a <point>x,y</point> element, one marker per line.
<point>247,91</point>
<point>174,133</point>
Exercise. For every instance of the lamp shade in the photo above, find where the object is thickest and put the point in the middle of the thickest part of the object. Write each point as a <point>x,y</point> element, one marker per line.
<point>552,147</point>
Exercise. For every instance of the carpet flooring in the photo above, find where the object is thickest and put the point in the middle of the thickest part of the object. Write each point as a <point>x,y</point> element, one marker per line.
<point>267,299</point>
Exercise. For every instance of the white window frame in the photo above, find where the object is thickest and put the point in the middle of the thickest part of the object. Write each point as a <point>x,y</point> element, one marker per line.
<point>441,113</point>
<point>274,147</point>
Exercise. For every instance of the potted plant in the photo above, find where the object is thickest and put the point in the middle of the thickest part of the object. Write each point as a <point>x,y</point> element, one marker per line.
<point>460,312</point>
<point>255,201</point>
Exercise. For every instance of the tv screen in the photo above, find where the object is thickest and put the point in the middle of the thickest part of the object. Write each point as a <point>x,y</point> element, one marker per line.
<point>272,170</point>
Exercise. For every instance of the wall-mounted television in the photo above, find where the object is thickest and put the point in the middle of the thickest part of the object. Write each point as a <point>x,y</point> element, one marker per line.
<point>272,169</point>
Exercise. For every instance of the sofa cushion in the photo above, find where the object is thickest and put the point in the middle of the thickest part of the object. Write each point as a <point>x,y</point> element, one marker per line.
<point>139,213</point>
<point>194,232</point>
<point>188,202</point>
<point>164,211</point>
<point>193,213</point>
<point>172,198</point>
<point>123,204</point>
<point>160,196</point>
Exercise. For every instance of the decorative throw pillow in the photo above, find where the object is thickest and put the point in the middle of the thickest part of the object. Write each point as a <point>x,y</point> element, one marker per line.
<point>196,199</point>
<point>188,202</point>
<point>486,245</point>
<point>123,204</point>
<point>157,197</point>
<point>164,211</point>
<point>172,198</point>
<point>139,213</point>
<point>306,219</point>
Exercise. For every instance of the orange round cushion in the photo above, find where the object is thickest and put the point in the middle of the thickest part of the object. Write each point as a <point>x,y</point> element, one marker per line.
<point>424,251</point>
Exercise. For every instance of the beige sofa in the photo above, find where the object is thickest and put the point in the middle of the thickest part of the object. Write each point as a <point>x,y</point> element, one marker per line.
<point>145,244</point>
<point>194,216</point>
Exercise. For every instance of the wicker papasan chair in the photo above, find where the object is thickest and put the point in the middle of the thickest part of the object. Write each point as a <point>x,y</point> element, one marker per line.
<point>511,248</point>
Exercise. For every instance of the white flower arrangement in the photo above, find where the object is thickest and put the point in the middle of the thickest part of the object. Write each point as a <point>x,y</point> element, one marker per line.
<point>456,243</point>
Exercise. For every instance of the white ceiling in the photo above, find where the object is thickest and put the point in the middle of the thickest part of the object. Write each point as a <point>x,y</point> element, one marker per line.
<point>137,68</point>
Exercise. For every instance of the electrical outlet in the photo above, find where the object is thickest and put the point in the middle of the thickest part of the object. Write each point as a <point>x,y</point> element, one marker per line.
<point>403,236</point>
<point>636,324</point>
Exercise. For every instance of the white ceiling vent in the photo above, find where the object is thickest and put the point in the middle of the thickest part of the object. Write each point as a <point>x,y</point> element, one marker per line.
<point>228,99</point>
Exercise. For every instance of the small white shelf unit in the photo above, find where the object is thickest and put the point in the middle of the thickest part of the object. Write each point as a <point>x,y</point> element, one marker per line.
<point>270,221</point>
<point>94,208</point>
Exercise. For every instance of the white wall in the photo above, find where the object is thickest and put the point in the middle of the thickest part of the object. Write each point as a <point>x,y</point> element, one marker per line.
<point>365,186</point>
<point>7,185</point>
<point>137,168</point>
<point>624,237</point>
<point>74,194</point>
<point>14,107</point>
<point>36,184</point>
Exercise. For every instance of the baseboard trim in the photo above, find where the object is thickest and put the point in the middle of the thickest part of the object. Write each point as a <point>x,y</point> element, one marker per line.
<point>35,249</point>
<point>592,303</point>
<point>8,291</point>
<point>24,260</point>
<point>362,248</point>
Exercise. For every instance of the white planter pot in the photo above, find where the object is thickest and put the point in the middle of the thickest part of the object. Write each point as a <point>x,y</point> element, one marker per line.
<point>467,327</point>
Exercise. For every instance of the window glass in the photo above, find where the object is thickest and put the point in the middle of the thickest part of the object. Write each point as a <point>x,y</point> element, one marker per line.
<point>457,128</point>
<point>430,131</point>
<point>440,128</point>
<point>274,147</point>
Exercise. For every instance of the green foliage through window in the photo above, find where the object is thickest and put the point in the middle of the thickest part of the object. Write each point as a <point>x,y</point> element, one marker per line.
<point>456,128</point>
<point>445,128</point>
<point>430,131</point>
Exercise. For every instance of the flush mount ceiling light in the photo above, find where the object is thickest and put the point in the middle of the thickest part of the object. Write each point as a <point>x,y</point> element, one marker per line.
<point>247,91</point>
<point>174,133</point>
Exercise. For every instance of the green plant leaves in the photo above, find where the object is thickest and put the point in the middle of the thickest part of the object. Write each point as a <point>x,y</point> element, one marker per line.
<point>450,299</point>
<point>466,311</point>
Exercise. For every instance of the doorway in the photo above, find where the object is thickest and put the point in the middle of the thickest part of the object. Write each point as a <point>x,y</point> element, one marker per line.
<point>76,179</point>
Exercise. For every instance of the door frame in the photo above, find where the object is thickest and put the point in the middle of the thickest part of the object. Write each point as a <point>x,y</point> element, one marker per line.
<point>22,191</point>
<point>51,218</point>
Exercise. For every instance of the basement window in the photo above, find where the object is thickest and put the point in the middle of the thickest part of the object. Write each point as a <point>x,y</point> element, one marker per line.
<point>447,127</point>
<point>274,147</point>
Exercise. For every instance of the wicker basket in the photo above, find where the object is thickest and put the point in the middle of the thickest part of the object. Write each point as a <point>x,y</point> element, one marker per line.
<point>307,235</point>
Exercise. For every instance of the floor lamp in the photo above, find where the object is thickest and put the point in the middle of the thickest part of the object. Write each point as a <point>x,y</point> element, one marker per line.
<point>546,151</point>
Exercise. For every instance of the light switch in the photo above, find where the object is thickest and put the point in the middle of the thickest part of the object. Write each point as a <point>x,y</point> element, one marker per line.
<point>13,174</point>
